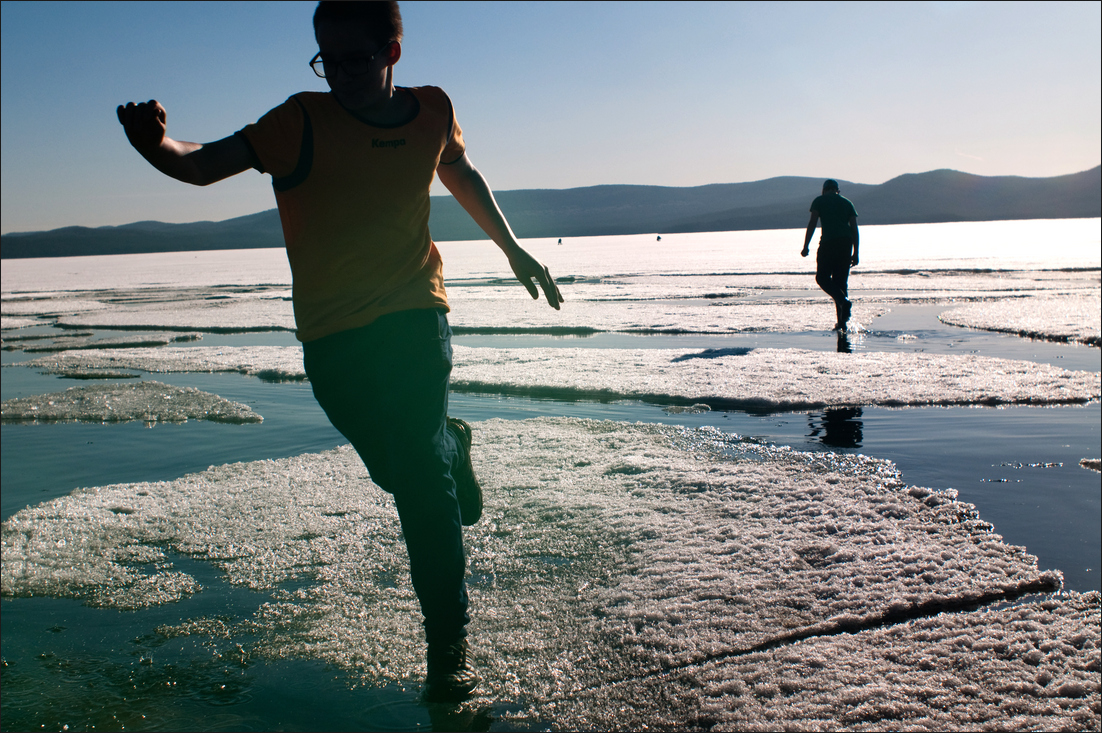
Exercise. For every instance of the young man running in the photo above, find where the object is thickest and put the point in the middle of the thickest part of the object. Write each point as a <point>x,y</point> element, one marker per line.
<point>351,169</point>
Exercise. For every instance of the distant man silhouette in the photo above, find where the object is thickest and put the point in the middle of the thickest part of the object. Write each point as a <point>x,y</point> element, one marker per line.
<point>838,247</point>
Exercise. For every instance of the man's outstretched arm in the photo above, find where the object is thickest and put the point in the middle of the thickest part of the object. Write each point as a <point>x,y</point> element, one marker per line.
<point>810,232</point>
<point>473,193</point>
<point>199,164</point>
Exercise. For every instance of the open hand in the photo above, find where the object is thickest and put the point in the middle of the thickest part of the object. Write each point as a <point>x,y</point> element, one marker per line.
<point>145,124</point>
<point>526,267</point>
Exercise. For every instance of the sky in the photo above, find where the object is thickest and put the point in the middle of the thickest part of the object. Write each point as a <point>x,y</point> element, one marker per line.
<point>560,94</point>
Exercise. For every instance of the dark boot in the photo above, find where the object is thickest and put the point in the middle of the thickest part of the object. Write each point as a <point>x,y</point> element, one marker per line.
<point>450,678</point>
<point>467,489</point>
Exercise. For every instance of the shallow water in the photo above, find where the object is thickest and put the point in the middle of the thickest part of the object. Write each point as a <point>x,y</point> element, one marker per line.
<point>67,664</point>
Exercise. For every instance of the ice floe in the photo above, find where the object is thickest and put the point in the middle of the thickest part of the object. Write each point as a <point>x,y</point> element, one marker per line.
<point>779,379</point>
<point>75,342</point>
<point>94,373</point>
<point>17,322</point>
<point>770,378</point>
<point>274,363</point>
<point>46,305</point>
<point>151,402</point>
<point>1071,318</point>
<point>13,341</point>
<point>237,315</point>
<point>621,575</point>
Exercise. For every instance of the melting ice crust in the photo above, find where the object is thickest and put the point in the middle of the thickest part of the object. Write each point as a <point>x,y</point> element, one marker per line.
<point>725,379</point>
<point>148,401</point>
<point>623,574</point>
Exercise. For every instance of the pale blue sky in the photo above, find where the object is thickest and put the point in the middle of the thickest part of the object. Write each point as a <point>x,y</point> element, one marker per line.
<point>558,95</point>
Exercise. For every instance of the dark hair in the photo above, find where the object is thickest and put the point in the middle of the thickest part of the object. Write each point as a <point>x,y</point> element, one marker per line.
<point>381,20</point>
<point>830,185</point>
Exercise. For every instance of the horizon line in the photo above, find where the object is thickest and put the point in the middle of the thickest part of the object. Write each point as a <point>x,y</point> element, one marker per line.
<point>571,188</point>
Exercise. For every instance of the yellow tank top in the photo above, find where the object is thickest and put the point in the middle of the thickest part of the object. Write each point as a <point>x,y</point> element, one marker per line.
<point>354,204</point>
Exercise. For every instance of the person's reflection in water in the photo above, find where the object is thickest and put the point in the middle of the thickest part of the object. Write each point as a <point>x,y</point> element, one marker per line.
<point>838,427</point>
<point>844,346</point>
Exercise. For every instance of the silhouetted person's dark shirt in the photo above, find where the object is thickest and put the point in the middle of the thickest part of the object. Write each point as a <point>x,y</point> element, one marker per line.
<point>835,211</point>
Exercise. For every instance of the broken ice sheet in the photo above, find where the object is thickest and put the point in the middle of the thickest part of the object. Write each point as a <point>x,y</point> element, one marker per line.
<point>275,363</point>
<point>519,313</point>
<point>607,552</point>
<point>151,402</point>
<point>1075,318</point>
<point>113,342</point>
<point>211,309</point>
<point>786,379</point>
<point>1029,666</point>
<point>16,322</point>
<point>675,301</point>
<point>50,304</point>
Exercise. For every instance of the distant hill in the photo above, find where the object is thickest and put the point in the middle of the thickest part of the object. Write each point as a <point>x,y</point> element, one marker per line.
<point>775,203</point>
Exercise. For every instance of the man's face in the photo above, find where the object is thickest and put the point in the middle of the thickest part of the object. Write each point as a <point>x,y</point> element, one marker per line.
<point>338,43</point>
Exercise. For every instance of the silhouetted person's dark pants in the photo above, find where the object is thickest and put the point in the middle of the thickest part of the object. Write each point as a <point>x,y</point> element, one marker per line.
<point>832,274</point>
<point>385,388</point>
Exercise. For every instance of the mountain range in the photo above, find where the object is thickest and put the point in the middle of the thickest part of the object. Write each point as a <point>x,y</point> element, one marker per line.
<point>775,203</point>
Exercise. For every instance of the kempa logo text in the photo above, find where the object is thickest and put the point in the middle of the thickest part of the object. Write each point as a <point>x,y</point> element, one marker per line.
<point>377,143</point>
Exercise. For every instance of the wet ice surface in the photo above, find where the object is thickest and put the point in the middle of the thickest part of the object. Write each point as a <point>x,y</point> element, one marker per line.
<point>1026,667</point>
<point>622,574</point>
<point>770,378</point>
<point>723,378</point>
<point>81,341</point>
<point>274,363</point>
<point>1074,318</point>
<point>150,402</point>
<point>639,303</point>
<point>244,309</point>
<point>15,322</point>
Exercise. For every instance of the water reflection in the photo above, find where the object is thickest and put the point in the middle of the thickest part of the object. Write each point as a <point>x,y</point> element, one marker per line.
<point>460,717</point>
<point>838,427</point>
<point>843,343</point>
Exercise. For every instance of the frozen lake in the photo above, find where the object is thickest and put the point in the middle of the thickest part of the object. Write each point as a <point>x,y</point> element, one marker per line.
<point>737,443</point>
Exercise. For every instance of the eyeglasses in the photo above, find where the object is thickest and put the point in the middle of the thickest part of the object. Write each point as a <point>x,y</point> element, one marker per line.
<point>352,67</point>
